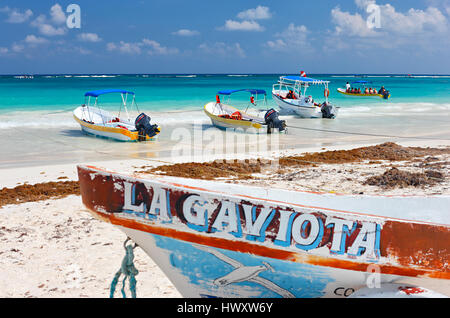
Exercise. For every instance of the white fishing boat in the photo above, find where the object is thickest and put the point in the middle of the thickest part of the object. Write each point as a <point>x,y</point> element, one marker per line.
<point>99,122</point>
<point>215,239</point>
<point>290,94</point>
<point>225,116</point>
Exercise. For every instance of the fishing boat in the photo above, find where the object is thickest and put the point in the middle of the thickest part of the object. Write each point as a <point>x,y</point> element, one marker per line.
<point>99,122</point>
<point>225,116</point>
<point>214,239</point>
<point>344,91</point>
<point>290,94</point>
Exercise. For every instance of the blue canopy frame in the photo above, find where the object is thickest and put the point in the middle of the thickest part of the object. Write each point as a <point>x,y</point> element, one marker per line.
<point>99,92</point>
<point>123,94</point>
<point>303,79</point>
<point>251,91</point>
<point>361,82</point>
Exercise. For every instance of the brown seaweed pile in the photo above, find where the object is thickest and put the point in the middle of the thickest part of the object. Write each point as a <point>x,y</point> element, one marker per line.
<point>395,178</point>
<point>243,169</point>
<point>387,151</point>
<point>37,192</point>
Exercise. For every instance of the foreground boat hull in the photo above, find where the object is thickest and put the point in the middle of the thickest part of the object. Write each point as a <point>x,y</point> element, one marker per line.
<point>217,240</point>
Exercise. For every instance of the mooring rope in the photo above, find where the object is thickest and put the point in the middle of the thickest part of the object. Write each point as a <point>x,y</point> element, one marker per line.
<point>128,270</point>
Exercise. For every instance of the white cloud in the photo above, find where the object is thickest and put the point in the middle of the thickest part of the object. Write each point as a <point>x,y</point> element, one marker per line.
<point>414,22</point>
<point>4,50</point>
<point>412,28</point>
<point>186,32</point>
<point>17,47</point>
<point>155,48</point>
<point>151,47</point>
<point>124,47</point>
<point>349,24</point>
<point>46,28</point>
<point>293,37</point>
<point>57,14</point>
<point>231,25</point>
<point>89,37</point>
<point>222,49</point>
<point>34,40</point>
<point>15,16</point>
<point>259,13</point>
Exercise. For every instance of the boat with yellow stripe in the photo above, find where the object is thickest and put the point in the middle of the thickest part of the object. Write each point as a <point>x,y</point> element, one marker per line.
<point>225,116</point>
<point>99,122</point>
<point>345,91</point>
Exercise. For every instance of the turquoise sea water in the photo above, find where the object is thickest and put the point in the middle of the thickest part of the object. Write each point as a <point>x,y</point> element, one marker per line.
<point>177,92</point>
<point>37,125</point>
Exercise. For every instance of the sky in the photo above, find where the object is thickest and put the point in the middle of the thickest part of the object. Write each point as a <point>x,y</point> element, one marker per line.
<point>232,36</point>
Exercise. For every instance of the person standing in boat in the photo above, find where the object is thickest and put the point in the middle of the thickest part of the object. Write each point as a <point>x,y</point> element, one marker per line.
<point>347,87</point>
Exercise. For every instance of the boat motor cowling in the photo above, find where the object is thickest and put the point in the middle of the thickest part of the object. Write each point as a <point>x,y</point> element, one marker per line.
<point>272,121</point>
<point>328,110</point>
<point>142,124</point>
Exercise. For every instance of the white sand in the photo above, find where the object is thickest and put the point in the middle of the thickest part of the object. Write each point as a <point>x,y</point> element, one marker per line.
<point>55,248</point>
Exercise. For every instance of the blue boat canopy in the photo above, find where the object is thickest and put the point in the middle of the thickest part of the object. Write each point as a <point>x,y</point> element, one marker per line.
<point>251,91</point>
<point>303,79</point>
<point>106,91</point>
<point>361,82</point>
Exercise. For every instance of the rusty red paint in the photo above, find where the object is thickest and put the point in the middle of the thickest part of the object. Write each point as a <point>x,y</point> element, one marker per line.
<point>425,255</point>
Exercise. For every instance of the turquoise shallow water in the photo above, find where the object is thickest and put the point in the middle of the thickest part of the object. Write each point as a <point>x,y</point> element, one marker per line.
<point>37,126</point>
<point>177,92</point>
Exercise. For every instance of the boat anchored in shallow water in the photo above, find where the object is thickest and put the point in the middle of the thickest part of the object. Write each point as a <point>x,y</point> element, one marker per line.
<point>214,239</point>
<point>96,121</point>
<point>362,92</point>
<point>290,95</point>
<point>225,116</point>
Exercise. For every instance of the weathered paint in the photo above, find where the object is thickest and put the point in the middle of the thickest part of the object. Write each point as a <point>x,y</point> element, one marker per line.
<point>326,240</point>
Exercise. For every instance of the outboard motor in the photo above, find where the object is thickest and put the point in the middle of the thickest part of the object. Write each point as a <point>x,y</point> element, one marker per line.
<point>328,110</point>
<point>272,121</point>
<point>144,127</point>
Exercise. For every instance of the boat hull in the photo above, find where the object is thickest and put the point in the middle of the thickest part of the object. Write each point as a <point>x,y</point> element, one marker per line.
<point>100,129</point>
<point>344,92</point>
<point>226,123</point>
<point>299,110</point>
<point>222,240</point>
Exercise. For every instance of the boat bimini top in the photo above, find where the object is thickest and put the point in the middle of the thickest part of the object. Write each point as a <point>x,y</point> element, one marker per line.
<point>296,83</point>
<point>251,91</point>
<point>123,93</point>
<point>362,82</point>
<point>99,92</point>
<point>254,92</point>
<point>301,80</point>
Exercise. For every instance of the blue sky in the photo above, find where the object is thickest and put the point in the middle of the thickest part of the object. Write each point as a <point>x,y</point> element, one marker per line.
<point>179,36</point>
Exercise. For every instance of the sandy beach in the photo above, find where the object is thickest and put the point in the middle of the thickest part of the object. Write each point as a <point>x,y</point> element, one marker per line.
<point>54,247</point>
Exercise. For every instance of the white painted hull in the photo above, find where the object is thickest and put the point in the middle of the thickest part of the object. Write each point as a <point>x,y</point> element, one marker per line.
<point>214,239</point>
<point>299,110</point>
